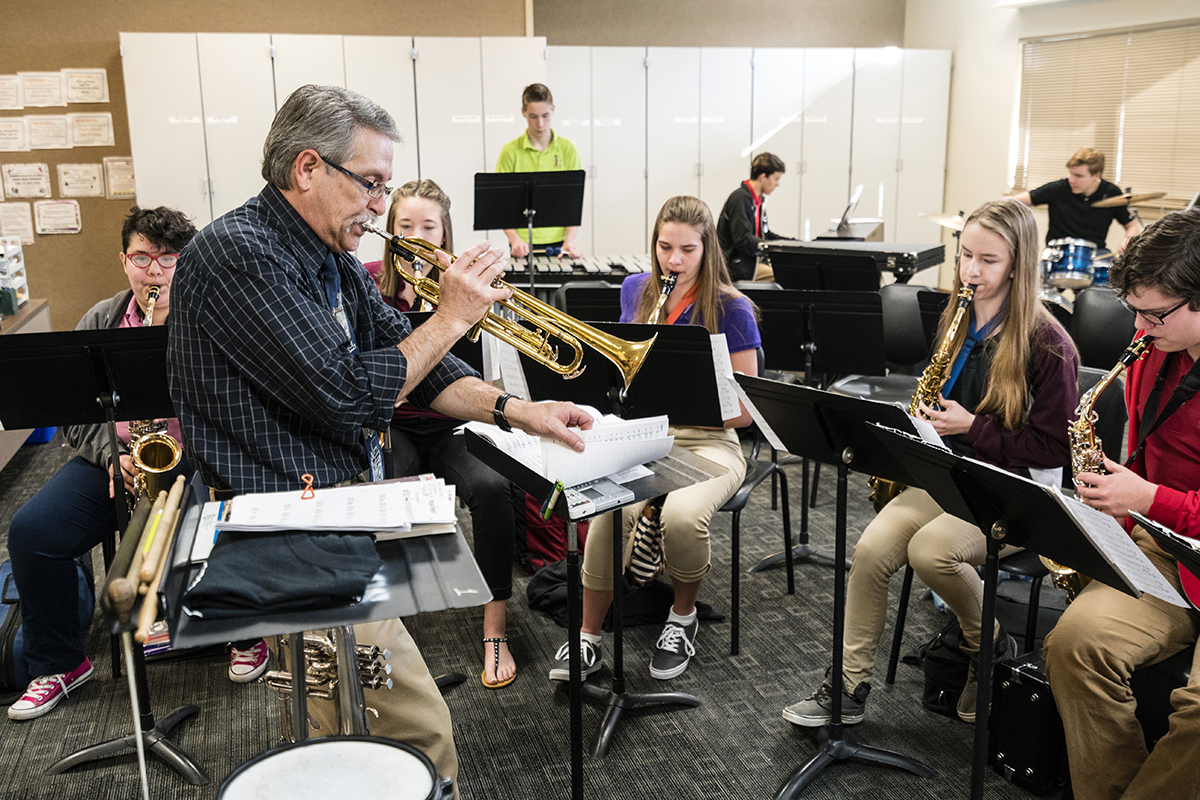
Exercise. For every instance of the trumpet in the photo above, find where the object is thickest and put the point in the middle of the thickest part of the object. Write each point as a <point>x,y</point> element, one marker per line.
<point>152,449</point>
<point>547,321</point>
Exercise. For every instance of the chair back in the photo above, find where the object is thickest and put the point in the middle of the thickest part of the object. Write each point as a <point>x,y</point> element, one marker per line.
<point>905,343</point>
<point>590,301</point>
<point>1101,327</point>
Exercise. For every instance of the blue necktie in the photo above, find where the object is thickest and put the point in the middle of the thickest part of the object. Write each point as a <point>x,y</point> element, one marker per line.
<point>974,337</point>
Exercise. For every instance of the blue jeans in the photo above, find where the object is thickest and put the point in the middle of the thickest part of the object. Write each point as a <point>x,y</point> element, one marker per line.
<point>69,516</point>
<point>429,445</point>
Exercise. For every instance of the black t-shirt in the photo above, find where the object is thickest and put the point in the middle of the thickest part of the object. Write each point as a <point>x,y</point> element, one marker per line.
<point>1072,216</point>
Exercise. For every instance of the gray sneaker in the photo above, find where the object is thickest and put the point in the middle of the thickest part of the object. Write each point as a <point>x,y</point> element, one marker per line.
<point>590,661</point>
<point>1005,648</point>
<point>674,650</point>
<point>816,710</point>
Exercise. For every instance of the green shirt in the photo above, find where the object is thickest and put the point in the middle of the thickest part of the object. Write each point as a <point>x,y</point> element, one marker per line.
<point>521,156</point>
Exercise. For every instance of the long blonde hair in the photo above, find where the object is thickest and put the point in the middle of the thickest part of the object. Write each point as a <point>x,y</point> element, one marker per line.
<point>1025,323</point>
<point>713,286</point>
<point>390,282</point>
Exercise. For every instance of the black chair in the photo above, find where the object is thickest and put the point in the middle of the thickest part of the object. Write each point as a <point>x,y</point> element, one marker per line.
<point>1110,429</point>
<point>591,301</point>
<point>756,472</point>
<point>905,343</point>
<point>1101,327</point>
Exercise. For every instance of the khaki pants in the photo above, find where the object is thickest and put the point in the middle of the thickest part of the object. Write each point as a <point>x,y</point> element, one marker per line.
<point>943,551</point>
<point>1090,655</point>
<point>685,515</point>
<point>412,711</point>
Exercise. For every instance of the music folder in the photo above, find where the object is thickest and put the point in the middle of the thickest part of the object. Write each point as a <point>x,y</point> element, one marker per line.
<point>1038,517</point>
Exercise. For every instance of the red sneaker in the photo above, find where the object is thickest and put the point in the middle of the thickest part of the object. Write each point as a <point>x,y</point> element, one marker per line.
<point>43,693</point>
<point>246,665</point>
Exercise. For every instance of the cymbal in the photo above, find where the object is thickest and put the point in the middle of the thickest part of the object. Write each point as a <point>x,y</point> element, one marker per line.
<point>1128,199</point>
<point>954,223</point>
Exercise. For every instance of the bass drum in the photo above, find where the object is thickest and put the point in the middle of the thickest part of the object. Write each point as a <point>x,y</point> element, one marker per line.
<point>1068,263</point>
<point>1100,267</point>
<point>337,766</point>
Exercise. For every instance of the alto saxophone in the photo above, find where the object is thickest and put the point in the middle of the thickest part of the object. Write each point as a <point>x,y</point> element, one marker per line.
<point>929,390</point>
<point>152,449</point>
<point>1087,455</point>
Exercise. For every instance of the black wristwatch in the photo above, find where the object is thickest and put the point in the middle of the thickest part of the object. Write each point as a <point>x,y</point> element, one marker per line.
<point>498,412</point>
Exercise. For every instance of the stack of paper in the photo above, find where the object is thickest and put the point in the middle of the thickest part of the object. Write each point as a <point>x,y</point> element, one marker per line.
<point>612,445</point>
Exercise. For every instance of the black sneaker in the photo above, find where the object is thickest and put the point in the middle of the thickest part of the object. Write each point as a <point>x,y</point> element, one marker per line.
<point>1004,649</point>
<point>674,649</point>
<point>816,710</point>
<point>589,661</point>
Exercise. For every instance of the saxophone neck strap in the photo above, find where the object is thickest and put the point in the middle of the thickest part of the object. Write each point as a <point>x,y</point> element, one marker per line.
<point>1151,417</point>
<point>974,337</point>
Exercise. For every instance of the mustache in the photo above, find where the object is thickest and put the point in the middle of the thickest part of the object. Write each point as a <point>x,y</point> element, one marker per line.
<point>361,219</point>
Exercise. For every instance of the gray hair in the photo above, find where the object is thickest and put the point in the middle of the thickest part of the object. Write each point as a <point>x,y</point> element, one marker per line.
<point>322,118</point>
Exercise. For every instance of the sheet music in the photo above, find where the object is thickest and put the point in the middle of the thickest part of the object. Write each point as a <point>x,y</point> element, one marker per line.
<point>723,367</point>
<point>365,507</point>
<point>1118,549</point>
<point>927,431</point>
<point>511,371</point>
<point>759,419</point>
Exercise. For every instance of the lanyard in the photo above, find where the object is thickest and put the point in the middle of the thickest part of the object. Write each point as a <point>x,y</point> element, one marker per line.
<point>1183,392</point>
<point>684,304</point>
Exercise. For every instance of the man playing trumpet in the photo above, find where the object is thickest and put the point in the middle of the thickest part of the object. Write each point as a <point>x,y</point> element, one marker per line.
<point>282,351</point>
<point>1105,634</point>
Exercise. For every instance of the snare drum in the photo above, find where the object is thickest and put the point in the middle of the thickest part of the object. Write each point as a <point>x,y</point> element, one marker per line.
<point>1068,263</point>
<point>337,766</point>
<point>1100,267</point>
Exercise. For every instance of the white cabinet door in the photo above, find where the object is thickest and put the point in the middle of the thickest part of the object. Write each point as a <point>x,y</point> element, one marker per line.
<point>726,87</point>
<point>381,68</point>
<point>303,59</point>
<point>777,128</point>
<point>450,125</point>
<point>569,76</point>
<point>166,122</point>
<point>619,150</point>
<point>828,106</point>
<point>672,125</point>
<point>239,104</point>
<point>509,65</point>
<point>876,150</point>
<point>924,115</point>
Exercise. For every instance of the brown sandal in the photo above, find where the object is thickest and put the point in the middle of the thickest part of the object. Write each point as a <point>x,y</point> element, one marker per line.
<point>497,641</point>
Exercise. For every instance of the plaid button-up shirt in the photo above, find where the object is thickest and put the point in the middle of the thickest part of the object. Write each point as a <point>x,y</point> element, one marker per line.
<point>266,383</point>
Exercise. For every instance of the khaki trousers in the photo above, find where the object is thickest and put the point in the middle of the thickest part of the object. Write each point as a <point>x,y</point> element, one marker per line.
<point>412,711</point>
<point>943,551</point>
<point>685,514</point>
<point>1090,655</point>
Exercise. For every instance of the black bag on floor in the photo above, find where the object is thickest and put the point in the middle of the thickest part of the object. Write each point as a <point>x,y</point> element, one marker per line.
<point>1025,733</point>
<point>14,676</point>
<point>946,666</point>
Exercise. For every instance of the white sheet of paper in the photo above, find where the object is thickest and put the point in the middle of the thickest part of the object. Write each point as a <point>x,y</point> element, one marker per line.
<point>118,176</point>
<point>723,366</point>
<point>57,216</point>
<point>511,371</point>
<point>206,532</point>
<point>86,85</point>
<point>926,429</point>
<point>10,93</point>
<point>631,474</point>
<point>14,135</point>
<point>16,219</point>
<point>756,415</point>
<point>25,180</point>
<point>1119,550</point>
<point>91,130</point>
<point>49,132</point>
<point>80,180</point>
<point>42,89</point>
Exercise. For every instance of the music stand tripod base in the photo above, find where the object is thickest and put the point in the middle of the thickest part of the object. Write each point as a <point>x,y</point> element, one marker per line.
<point>155,741</point>
<point>617,703</point>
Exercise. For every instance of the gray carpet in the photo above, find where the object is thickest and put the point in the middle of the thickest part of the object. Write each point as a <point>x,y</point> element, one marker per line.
<point>513,742</point>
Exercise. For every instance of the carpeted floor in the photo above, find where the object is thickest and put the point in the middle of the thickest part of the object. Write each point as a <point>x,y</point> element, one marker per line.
<point>513,742</point>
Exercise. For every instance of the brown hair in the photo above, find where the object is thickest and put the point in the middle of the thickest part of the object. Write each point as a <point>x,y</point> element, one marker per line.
<point>766,164</point>
<point>389,280</point>
<point>1024,321</point>
<point>713,286</point>
<point>1166,255</point>
<point>536,93</point>
<point>1088,157</point>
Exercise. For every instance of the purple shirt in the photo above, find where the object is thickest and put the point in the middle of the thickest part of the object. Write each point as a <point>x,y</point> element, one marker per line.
<point>737,323</point>
<point>133,319</point>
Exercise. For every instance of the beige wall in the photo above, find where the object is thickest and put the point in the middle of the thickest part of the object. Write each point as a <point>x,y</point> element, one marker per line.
<point>721,23</point>
<point>985,40</point>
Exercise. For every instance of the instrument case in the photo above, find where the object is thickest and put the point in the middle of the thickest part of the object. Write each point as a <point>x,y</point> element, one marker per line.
<point>902,260</point>
<point>1025,733</point>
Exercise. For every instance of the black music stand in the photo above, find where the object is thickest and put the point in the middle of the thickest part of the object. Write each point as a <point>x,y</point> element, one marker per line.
<point>90,377</point>
<point>833,429</point>
<point>1008,510</point>
<point>512,199</point>
<point>677,470</point>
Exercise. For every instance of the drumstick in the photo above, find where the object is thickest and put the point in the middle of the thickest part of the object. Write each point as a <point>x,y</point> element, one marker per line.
<point>152,525</point>
<point>149,610</point>
<point>156,561</point>
<point>119,599</point>
<point>154,549</point>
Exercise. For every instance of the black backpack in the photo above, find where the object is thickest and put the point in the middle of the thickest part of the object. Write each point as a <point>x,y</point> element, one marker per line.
<point>14,676</point>
<point>946,667</point>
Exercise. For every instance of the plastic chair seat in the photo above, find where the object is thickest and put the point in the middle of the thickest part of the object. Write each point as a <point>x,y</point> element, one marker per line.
<point>884,388</point>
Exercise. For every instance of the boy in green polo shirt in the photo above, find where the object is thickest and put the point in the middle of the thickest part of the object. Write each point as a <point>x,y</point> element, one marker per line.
<point>539,149</point>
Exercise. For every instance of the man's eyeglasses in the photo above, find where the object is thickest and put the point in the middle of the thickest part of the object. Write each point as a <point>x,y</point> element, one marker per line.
<point>375,189</point>
<point>143,261</point>
<point>1154,317</point>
